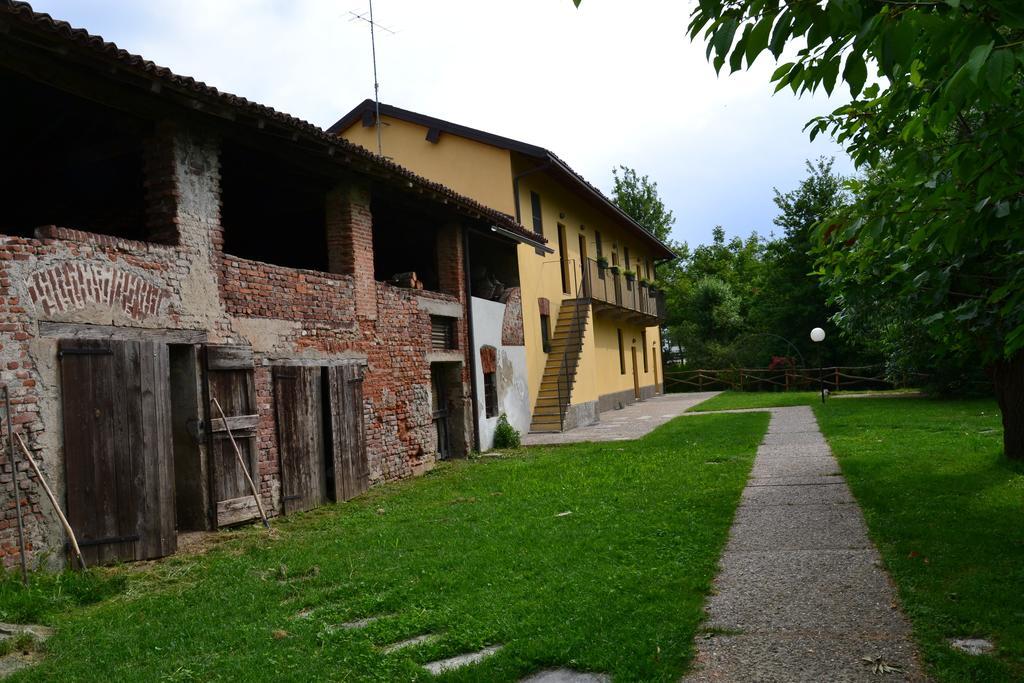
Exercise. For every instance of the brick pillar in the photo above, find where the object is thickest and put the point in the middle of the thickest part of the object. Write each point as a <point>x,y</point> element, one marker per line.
<point>350,243</point>
<point>161,188</point>
<point>451,278</point>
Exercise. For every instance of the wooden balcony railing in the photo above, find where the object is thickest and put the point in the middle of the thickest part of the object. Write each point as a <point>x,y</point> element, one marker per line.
<point>602,285</point>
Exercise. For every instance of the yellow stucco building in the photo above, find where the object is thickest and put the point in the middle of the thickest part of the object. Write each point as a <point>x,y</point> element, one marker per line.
<point>590,313</point>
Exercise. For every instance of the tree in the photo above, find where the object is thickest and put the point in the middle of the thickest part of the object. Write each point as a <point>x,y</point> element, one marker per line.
<point>935,117</point>
<point>638,197</point>
<point>793,300</point>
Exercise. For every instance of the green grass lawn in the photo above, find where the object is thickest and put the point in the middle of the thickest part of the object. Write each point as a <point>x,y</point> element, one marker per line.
<point>475,552</point>
<point>946,511</point>
<point>735,400</point>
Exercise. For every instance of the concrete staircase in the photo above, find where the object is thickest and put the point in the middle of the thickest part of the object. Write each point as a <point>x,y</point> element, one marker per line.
<point>563,359</point>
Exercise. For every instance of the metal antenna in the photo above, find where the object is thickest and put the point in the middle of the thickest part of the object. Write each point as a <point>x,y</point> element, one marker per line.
<point>373,48</point>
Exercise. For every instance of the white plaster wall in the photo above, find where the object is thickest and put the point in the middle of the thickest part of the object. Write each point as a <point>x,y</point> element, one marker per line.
<point>513,391</point>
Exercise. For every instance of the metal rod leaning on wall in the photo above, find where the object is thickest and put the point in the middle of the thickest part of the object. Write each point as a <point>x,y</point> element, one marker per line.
<point>241,463</point>
<point>53,500</point>
<point>17,488</point>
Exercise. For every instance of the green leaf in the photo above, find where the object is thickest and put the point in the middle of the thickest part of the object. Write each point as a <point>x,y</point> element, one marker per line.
<point>736,58</point>
<point>818,32</point>
<point>724,33</point>
<point>781,33</point>
<point>829,74</point>
<point>855,73</point>
<point>757,41</point>
<point>1000,69</point>
<point>977,59</point>
<point>781,71</point>
<point>1002,209</point>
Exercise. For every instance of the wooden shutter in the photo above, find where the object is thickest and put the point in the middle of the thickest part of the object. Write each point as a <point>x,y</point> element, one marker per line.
<point>351,469</point>
<point>300,437</point>
<point>538,218</point>
<point>442,332</point>
<point>230,380</point>
<point>118,450</point>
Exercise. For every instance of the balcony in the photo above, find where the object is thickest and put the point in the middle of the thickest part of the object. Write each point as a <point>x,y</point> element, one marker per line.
<point>616,296</point>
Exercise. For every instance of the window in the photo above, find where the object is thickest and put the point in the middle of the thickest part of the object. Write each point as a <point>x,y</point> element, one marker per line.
<point>622,355</point>
<point>643,343</point>
<point>648,269</point>
<point>625,255</point>
<point>545,332</point>
<point>597,243</point>
<point>538,220</point>
<point>491,394</point>
<point>489,368</point>
<point>442,333</point>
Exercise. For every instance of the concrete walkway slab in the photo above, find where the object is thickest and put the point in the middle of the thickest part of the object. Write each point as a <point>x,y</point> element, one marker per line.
<point>798,480</point>
<point>566,676</point>
<point>797,494</point>
<point>795,467</point>
<point>802,593</point>
<point>459,661</point>
<point>410,642</point>
<point>632,422</point>
<point>799,527</point>
<point>751,580</point>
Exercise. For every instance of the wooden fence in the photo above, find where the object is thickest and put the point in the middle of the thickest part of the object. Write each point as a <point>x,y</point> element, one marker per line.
<point>865,377</point>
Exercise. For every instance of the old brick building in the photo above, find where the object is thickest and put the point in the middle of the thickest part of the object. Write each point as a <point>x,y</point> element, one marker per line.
<point>166,249</point>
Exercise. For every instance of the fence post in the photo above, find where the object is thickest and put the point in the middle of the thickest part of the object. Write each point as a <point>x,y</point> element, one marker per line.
<point>700,380</point>
<point>787,378</point>
<point>741,380</point>
<point>837,380</point>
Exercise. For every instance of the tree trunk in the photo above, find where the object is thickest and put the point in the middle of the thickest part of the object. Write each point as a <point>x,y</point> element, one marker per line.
<point>1008,377</point>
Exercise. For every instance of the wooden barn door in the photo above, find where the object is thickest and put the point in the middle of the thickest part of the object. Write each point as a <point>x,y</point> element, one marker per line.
<point>351,470</point>
<point>230,380</point>
<point>118,451</point>
<point>298,405</point>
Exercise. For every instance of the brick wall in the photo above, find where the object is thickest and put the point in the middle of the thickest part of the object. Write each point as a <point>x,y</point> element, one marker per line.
<point>186,282</point>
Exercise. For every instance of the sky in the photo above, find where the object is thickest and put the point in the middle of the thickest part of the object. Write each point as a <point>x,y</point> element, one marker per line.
<point>613,82</point>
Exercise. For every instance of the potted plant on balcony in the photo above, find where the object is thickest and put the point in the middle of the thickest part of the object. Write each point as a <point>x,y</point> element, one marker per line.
<point>614,270</point>
<point>602,263</point>
<point>630,275</point>
<point>644,283</point>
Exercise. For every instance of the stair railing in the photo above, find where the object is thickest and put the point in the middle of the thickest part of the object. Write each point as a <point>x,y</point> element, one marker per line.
<point>581,280</point>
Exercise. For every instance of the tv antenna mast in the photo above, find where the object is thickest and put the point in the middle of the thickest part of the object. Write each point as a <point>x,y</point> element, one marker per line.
<point>368,18</point>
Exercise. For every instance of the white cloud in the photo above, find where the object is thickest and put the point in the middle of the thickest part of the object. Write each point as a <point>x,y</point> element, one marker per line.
<point>616,81</point>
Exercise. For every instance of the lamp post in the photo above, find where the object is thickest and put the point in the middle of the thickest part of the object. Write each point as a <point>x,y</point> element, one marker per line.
<point>818,336</point>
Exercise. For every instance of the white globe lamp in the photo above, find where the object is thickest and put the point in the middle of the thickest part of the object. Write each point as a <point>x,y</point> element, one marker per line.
<point>818,336</point>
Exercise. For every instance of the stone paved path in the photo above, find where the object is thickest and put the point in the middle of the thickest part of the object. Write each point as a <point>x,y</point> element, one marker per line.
<point>802,594</point>
<point>632,422</point>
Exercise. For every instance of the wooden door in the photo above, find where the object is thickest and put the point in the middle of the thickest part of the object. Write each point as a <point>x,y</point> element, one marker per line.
<point>351,469</point>
<point>230,380</point>
<point>118,450</point>
<point>636,376</point>
<point>654,359</point>
<point>439,401</point>
<point>564,258</point>
<point>584,268</point>
<point>300,437</point>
